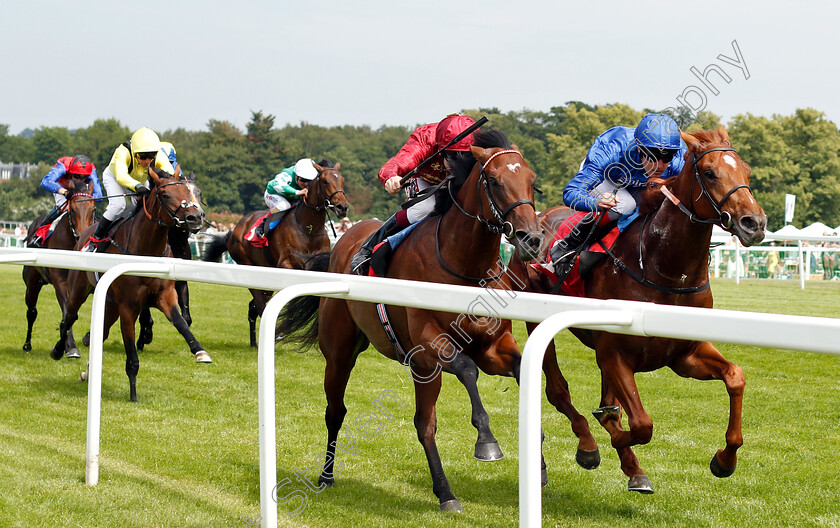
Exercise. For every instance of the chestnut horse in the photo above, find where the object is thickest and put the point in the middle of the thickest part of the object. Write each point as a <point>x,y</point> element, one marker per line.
<point>300,232</point>
<point>461,247</point>
<point>77,215</point>
<point>171,202</point>
<point>663,257</point>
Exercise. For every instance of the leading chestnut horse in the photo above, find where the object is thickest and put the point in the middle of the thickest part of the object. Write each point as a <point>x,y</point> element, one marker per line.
<point>663,257</point>
<point>300,232</point>
<point>171,202</point>
<point>77,215</point>
<point>461,247</point>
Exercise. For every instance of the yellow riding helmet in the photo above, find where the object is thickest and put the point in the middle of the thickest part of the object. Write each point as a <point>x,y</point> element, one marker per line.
<point>145,140</point>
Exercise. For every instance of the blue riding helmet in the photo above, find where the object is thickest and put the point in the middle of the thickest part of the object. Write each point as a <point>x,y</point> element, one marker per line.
<point>658,131</point>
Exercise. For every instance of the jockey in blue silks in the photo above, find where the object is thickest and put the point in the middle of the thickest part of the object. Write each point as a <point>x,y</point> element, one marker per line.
<point>613,176</point>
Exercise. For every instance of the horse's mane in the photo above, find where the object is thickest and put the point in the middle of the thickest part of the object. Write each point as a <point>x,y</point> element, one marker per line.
<point>462,163</point>
<point>652,198</point>
<point>325,163</point>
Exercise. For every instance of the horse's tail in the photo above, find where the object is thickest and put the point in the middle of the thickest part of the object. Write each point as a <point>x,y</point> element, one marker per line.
<point>298,321</point>
<point>217,247</point>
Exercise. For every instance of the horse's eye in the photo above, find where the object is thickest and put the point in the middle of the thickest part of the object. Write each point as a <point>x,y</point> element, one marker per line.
<point>709,174</point>
<point>492,181</point>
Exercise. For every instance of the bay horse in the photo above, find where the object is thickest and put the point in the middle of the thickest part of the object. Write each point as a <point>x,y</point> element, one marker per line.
<point>493,193</point>
<point>179,243</point>
<point>77,215</point>
<point>170,202</point>
<point>663,257</point>
<point>300,232</point>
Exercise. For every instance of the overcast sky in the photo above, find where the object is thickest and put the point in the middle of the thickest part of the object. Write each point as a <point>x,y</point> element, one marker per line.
<point>181,63</point>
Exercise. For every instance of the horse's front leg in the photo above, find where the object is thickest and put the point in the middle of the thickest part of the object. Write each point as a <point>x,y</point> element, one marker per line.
<point>557,392</point>
<point>33,290</point>
<point>619,390</point>
<point>183,290</point>
<point>425,421</point>
<point>128,317</point>
<point>705,363</point>
<point>146,328</point>
<point>168,304</point>
<point>436,352</point>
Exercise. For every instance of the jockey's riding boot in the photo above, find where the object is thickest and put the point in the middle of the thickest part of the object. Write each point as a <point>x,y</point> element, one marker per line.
<point>361,260</point>
<point>49,219</point>
<point>99,239</point>
<point>563,253</point>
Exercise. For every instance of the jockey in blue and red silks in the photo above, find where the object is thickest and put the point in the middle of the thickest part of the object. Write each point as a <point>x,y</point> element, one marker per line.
<point>423,143</point>
<point>58,182</point>
<point>612,177</point>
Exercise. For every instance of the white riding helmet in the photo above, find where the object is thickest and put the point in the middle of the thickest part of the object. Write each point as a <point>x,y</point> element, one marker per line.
<point>305,169</point>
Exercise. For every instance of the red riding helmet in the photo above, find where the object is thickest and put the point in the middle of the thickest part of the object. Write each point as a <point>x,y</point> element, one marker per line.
<point>450,127</point>
<point>81,165</point>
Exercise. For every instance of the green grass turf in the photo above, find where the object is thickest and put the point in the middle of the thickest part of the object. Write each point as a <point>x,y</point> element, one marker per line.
<point>187,454</point>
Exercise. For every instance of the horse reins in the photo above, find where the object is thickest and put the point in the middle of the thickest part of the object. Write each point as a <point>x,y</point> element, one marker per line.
<point>724,219</point>
<point>70,218</point>
<point>502,227</point>
<point>328,205</point>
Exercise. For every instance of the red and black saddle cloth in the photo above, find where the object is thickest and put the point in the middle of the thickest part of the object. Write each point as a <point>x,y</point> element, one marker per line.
<point>574,283</point>
<point>252,237</point>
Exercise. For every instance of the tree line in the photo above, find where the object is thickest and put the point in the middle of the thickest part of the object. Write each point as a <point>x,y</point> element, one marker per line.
<point>796,154</point>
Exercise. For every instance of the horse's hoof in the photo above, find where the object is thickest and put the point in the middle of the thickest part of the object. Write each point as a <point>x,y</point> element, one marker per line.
<point>327,482</point>
<point>718,470</point>
<point>488,451</point>
<point>203,357</point>
<point>56,354</point>
<point>588,459</point>
<point>73,353</point>
<point>451,505</point>
<point>603,413</point>
<point>27,347</point>
<point>641,484</point>
<point>83,377</point>
<point>86,339</point>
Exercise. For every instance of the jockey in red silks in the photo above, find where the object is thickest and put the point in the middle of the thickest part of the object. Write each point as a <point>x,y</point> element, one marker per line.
<point>423,143</point>
<point>57,181</point>
<point>613,176</point>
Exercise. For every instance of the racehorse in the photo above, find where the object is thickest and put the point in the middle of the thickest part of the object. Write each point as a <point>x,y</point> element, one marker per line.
<point>300,232</point>
<point>662,257</point>
<point>171,202</point>
<point>461,246</point>
<point>179,243</point>
<point>77,215</point>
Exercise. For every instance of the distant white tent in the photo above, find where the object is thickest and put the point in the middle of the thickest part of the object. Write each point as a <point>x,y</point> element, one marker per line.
<point>788,230</point>
<point>816,229</point>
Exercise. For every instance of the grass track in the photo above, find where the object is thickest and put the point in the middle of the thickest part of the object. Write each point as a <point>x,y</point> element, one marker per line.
<point>187,454</point>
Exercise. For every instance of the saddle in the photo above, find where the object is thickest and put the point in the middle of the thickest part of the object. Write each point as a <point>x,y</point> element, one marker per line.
<point>574,285</point>
<point>381,256</point>
<point>272,219</point>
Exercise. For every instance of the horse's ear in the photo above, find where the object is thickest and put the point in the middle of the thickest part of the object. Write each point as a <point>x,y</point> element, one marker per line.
<point>191,176</point>
<point>480,154</point>
<point>690,140</point>
<point>337,165</point>
<point>153,176</point>
<point>514,147</point>
<point>724,135</point>
<point>318,168</point>
<point>177,174</point>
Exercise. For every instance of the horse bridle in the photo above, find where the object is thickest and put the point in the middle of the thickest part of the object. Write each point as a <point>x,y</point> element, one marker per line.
<point>184,204</point>
<point>724,219</point>
<point>503,226</point>
<point>70,218</point>
<point>328,205</point>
